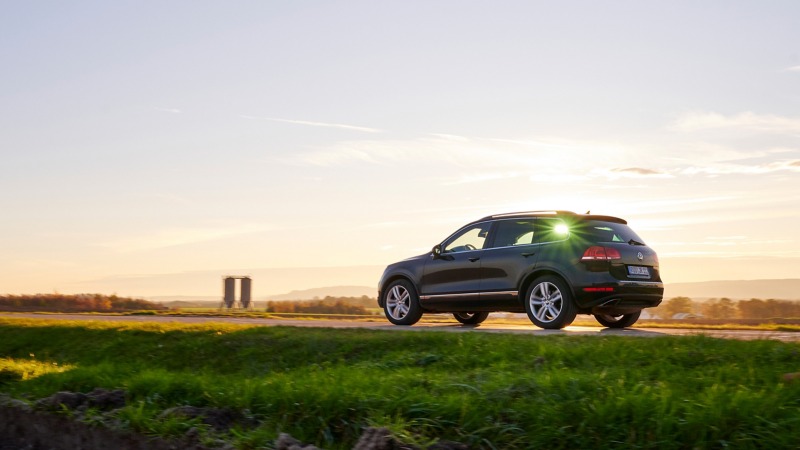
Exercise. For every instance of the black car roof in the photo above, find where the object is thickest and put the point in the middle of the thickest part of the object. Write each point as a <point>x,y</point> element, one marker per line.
<point>554,213</point>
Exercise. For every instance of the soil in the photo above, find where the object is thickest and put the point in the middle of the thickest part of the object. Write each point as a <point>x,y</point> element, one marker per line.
<point>98,398</point>
<point>26,428</point>
<point>22,429</point>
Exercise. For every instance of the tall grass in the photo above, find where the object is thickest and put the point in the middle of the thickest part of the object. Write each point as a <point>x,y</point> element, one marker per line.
<point>490,391</point>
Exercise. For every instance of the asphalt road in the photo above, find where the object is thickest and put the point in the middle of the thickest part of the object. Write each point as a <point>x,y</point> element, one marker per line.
<point>486,328</point>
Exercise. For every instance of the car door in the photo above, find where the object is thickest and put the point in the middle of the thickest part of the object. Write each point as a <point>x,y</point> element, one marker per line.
<point>510,258</point>
<point>452,282</point>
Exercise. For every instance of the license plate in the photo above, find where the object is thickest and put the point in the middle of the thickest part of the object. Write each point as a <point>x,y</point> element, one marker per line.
<point>638,271</point>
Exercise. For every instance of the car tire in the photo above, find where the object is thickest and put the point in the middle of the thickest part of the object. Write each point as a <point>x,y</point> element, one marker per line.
<point>623,321</point>
<point>401,303</point>
<point>549,303</point>
<point>471,318</point>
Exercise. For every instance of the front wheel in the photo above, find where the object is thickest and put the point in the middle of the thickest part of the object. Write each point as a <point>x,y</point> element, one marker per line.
<point>549,303</point>
<point>622,321</point>
<point>471,318</point>
<point>402,303</point>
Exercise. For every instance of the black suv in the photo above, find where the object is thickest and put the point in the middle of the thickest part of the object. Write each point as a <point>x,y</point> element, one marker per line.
<point>551,265</point>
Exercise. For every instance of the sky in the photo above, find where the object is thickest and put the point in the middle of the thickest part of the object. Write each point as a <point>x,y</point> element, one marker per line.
<point>151,140</point>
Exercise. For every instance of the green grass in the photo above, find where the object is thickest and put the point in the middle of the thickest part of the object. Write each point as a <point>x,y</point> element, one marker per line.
<point>488,390</point>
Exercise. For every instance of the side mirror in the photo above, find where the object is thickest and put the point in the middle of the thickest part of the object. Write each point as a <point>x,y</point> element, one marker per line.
<point>437,251</point>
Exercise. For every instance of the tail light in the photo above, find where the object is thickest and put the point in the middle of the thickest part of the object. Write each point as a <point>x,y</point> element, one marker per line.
<point>598,253</point>
<point>655,257</point>
<point>599,289</point>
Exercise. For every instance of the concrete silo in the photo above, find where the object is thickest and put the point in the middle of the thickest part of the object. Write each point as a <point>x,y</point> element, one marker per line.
<point>230,292</point>
<point>247,290</point>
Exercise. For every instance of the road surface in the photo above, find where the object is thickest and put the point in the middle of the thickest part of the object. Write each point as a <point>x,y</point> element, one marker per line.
<point>785,336</point>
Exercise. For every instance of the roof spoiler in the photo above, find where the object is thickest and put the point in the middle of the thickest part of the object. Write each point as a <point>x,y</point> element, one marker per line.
<point>560,213</point>
<point>522,213</point>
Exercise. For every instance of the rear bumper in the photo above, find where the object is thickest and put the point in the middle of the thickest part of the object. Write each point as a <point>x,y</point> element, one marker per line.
<point>625,298</point>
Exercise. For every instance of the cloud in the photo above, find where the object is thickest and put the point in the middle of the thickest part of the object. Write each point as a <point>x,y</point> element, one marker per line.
<point>556,177</point>
<point>174,111</point>
<point>793,69</point>
<point>631,172</point>
<point>318,124</point>
<point>482,177</point>
<point>724,169</point>
<point>748,120</point>
<point>459,159</point>
<point>175,236</point>
<point>450,136</point>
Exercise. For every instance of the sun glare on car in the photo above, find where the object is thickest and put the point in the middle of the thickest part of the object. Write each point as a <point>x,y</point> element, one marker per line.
<point>561,229</point>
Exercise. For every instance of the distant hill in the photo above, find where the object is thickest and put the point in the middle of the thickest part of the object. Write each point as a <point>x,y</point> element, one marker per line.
<point>332,291</point>
<point>212,301</point>
<point>786,289</point>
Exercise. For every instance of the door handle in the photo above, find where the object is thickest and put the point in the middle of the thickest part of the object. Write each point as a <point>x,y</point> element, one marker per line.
<point>528,254</point>
<point>474,259</point>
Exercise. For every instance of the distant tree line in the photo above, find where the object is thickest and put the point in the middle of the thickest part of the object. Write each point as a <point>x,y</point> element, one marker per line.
<point>328,305</point>
<point>75,303</point>
<point>725,308</point>
<point>365,301</point>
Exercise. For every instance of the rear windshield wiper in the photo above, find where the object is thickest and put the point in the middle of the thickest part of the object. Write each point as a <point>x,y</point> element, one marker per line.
<point>635,242</point>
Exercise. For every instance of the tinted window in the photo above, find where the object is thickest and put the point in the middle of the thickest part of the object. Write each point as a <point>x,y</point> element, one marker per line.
<point>551,230</point>
<point>597,231</point>
<point>471,238</point>
<point>514,232</point>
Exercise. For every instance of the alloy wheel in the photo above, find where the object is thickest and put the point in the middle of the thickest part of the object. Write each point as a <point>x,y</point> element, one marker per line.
<point>546,302</point>
<point>398,302</point>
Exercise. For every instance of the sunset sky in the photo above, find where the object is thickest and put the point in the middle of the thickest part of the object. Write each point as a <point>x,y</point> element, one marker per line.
<point>152,139</point>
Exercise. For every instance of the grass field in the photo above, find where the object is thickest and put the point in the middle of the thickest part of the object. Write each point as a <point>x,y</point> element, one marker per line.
<point>488,390</point>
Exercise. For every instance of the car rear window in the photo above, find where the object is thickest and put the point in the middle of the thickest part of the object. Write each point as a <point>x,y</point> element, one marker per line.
<point>597,231</point>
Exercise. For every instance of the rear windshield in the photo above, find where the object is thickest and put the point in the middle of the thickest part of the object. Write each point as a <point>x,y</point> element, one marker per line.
<point>597,231</point>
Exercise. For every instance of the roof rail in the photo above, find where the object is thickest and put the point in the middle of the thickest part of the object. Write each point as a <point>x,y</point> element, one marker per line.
<point>547,211</point>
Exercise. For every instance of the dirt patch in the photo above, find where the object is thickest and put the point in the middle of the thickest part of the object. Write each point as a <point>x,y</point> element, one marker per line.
<point>23,427</point>
<point>28,429</point>
<point>98,398</point>
<point>382,439</point>
<point>286,442</point>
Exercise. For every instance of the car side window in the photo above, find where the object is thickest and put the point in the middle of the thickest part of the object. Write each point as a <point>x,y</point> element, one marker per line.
<point>552,230</point>
<point>471,238</point>
<point>514,232</point>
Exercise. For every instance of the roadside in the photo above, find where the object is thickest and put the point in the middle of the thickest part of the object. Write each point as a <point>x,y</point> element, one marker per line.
<point>450,326</point>
<point>775,324</point>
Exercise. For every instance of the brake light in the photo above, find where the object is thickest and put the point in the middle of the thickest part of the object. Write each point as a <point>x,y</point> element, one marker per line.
<point>599,289</point>
<point>594,253</point>
<point>655,257</point>
<point>598,253</point>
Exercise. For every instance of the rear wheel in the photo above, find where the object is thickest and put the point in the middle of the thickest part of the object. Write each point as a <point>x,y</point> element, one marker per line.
<point>549,303</point>
<point>621,321</point>
<point>471,318</point>
<point>402,303</point>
